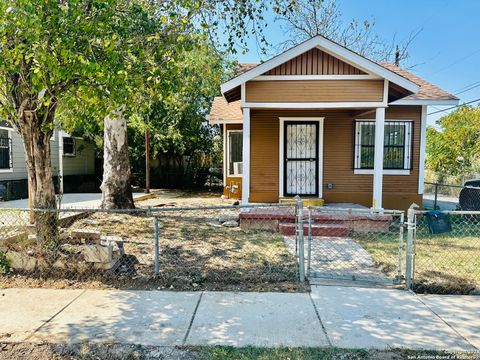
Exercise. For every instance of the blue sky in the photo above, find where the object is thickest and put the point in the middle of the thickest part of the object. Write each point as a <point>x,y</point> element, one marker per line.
<point>446,52</point>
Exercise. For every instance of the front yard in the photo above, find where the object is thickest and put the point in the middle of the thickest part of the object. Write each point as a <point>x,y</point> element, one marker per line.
<point>444,264</point>
<point>196,252</point>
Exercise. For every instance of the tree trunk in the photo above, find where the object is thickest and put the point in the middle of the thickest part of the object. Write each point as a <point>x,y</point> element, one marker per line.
<point>37,155</point>
<point>116,185</point>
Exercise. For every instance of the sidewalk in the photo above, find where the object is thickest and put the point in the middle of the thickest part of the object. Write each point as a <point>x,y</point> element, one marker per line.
<point>351,317</point>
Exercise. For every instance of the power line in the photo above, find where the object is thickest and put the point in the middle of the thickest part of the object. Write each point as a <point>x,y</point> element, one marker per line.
<point>468,89</point>
<point>453,107</point>
<point>467,86</point>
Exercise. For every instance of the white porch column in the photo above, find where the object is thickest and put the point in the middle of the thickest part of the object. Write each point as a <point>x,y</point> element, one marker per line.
<point>423,143</point>
<point>246,156</point>
<point>378,160</point>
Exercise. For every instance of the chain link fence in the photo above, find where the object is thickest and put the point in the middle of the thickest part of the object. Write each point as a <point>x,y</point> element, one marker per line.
<point>446,249</point>
<point>213,248</point>
<point>439,196</point>
<point>355,244</point>
<point>240,248</point>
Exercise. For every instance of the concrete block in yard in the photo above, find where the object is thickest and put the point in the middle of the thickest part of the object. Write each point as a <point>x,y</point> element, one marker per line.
<point>114,241</point>
<point>86,234</point>
<point>96,253</point>
<point>13,236</point>
<point>230,223</point>
<point>228,217</point>
<point>20,261</point>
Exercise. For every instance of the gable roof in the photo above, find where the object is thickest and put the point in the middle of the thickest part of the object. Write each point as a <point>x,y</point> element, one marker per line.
<point>329,46</point>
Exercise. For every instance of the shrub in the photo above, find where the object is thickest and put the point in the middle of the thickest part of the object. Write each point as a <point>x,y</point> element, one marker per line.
<point>4,263</point>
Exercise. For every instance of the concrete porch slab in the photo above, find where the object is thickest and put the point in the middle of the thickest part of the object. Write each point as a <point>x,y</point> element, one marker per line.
<point>22,311</point>
<point>132,317</point>
<point>259,319</point>
<point>458,311</point>
<point>381,318</point>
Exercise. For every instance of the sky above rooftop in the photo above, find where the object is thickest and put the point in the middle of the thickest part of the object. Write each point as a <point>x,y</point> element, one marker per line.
<point>446,52</point>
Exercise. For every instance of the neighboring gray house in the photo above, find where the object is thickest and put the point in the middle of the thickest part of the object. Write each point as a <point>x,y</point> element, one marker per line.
<point>73,164</point>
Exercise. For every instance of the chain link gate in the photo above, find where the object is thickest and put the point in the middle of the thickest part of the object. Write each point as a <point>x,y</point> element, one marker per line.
<point>354,244</point>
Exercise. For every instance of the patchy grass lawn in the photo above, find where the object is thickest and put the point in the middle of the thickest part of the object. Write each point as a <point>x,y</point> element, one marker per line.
<point>444,264</point>
<point>136,352</point>
<point>196,253</point>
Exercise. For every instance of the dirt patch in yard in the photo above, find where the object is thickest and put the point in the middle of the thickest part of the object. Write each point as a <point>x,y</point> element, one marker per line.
<point>195,253</point>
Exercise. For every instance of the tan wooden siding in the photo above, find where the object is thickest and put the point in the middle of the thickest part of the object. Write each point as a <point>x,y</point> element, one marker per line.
<point>315,62</point>
<point>264,167</point>
<point>314,91</point>
<point>230,183</point>
<point>337,159</point>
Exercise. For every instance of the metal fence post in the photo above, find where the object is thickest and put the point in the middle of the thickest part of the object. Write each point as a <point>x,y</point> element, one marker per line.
<point>157,255</point>
<point>300,242</point>
<point>398,280</point>
<point>309,248</point>
<point>435,206</point>
<point>410,236</point>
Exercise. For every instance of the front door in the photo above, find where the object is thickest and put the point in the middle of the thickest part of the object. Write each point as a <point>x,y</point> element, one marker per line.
<point>301,158</point>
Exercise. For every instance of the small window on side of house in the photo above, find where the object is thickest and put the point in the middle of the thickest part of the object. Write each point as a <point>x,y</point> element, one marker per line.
<point>235,149</point>
<point>5,150</point>
<point>68,146</point>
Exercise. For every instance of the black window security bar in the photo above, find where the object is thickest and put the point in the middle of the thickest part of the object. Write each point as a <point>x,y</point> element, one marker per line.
<point>397,152</point>
<point>6,153</point>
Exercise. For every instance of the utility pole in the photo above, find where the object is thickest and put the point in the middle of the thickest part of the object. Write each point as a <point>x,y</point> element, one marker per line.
<point>147,161</point>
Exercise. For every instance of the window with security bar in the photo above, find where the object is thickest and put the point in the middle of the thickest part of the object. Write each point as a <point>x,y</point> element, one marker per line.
<point>397,152</point>
<point>5,150</point>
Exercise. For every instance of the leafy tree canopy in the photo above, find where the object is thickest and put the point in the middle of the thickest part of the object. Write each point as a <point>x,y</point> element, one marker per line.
<point>454,148</point>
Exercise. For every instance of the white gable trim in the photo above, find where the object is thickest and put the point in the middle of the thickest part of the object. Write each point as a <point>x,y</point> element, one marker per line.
<point>315,77</point>
<point>425,102</point>
<point>334,49</point>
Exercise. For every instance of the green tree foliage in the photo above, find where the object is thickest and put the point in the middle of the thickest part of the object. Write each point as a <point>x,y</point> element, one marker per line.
<point>454,148</point>
<point>177,120</point>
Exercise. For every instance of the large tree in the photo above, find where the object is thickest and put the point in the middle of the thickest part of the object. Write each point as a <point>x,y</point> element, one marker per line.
<point>324,17</point>
<point>45,50</point>
<point>453,146</point>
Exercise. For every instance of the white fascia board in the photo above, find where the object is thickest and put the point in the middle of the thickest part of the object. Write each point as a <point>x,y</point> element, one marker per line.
<point>336,50</point>
<point>314,105</point>
<point>438,102</point>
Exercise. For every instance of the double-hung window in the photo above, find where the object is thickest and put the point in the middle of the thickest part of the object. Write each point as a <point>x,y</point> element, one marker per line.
<point>235,148</point>
<point>6,163</point>
<point>397,146</point>
<point>68,146</point>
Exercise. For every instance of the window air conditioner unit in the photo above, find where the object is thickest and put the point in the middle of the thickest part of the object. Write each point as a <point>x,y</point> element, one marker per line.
<point>237,168</point>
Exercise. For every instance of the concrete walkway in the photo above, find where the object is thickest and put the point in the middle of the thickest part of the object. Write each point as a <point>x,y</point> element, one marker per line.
<point>351,317</point>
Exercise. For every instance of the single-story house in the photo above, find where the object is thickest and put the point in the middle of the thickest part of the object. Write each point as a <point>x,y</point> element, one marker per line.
<point>323,122</point>
<point>73,164</point>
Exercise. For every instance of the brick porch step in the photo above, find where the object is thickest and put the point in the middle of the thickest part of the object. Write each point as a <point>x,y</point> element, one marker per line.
<point>289,229</point>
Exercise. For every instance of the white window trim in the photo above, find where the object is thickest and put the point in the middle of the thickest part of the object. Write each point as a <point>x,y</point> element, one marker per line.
<point>407,154</point>
<point>9,131</point>
<point>227,163</point>
<point>74,154</point>
<point>281,174</point>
